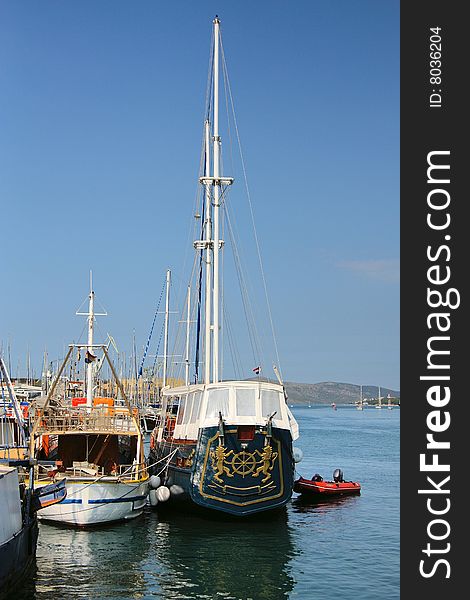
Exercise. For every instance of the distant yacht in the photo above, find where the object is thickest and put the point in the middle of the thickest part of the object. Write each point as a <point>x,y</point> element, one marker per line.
<point>389,405</point>
<point>379,405</point>
<point>360,402</point>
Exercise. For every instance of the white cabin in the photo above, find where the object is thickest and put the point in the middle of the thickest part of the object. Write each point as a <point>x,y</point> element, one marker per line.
<point>239,402</point>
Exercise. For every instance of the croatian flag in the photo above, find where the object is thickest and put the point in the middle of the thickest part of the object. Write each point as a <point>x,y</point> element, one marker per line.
<point>257,370</point>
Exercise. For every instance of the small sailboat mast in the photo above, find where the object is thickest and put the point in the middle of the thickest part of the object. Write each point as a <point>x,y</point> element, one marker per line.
<point>91,321</point>
<point>90,357</point>
<point>379,405</point>
<point>167,315</point>
<point>188,331</point>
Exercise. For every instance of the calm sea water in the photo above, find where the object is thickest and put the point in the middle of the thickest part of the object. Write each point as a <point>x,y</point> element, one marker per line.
<point>347,548</point>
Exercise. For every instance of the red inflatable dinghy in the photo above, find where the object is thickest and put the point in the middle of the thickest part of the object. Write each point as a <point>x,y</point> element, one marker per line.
<point>317,487</point>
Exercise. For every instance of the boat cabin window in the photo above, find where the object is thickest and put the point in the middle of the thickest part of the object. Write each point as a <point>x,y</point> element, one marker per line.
<point>246,402</point>
<point>270,403</point>
<point>188,408</point>
<point>196,405</point>
<point>181,410</point>
<point>218,401</point>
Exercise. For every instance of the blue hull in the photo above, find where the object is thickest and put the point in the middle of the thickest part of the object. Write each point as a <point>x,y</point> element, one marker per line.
<point>226,474</point>
<point>17,556</point>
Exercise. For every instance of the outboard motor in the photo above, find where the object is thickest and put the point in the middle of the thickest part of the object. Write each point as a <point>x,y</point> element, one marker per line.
<point>338,476</point>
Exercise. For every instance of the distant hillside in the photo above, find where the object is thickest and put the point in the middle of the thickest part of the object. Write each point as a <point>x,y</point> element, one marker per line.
<point>329,391</point>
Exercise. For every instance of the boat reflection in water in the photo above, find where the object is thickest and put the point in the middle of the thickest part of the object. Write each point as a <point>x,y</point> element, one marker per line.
<point>234,559</point>
<point>314,504</point>
<point>171,556</point>
<point>104,563</point>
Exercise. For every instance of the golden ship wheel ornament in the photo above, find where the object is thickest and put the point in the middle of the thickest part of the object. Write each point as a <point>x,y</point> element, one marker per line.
<point>243,463</point>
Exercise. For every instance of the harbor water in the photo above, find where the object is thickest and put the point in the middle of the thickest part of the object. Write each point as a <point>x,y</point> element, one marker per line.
<point>347,547</point>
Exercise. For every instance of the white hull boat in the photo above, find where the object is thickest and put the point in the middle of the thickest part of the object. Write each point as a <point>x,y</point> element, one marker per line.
<point>100,447</point>
<point>91,502</point>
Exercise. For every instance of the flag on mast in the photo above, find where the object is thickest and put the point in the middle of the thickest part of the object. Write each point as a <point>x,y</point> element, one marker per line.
<point>257,370</point>
<point>89,357</point>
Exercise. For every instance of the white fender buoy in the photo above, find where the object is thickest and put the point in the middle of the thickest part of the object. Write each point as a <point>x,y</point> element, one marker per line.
<point>297,454</point>
<point>162,494</point>
<point>176,490</point>
<point>155,482</point>
<point>153,497</point>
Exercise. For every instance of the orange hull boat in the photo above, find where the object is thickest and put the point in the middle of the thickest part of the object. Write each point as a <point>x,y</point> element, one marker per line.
<point>326,488</point>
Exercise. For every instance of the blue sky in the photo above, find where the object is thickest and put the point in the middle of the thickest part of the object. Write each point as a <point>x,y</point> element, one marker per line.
<point>101,115</point>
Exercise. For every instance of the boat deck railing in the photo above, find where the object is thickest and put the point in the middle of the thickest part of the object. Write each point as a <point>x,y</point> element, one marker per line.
<point>97,419</point>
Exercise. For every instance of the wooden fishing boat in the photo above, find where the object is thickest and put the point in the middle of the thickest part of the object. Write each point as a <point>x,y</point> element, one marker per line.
<point>99,451</point>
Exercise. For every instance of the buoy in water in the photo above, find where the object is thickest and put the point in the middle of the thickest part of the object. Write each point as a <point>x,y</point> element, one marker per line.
<point>176,490</point>
<point>153,497</point>
<point>155,482</point>
<point>297,454</point>
<point>162,494</point>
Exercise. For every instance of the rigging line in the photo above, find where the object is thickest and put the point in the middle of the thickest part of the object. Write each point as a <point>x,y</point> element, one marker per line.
<point>249,312</point>
<point>224,72</point>
<point>180,336</point>
<point>222,291</point>
<point>252,214</point>
<point>83,329</point>
<point>249,316</point>
<point>232,346</point>
<point>177,366</point>
<point>158,349</point>
<point>210,74</point>
<point>207,108</point>
<point>198,323</point>
<point>242,280</point>
<point>151,329</point>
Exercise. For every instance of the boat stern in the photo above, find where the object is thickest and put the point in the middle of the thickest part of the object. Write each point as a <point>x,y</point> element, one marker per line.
<point>243,470</point>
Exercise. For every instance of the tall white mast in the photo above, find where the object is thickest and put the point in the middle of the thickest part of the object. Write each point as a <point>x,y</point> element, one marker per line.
<point>167,314</point>
<point>207,238</point>
<point>91,321</point>
<point>188,324</point>
<point>215,356</point>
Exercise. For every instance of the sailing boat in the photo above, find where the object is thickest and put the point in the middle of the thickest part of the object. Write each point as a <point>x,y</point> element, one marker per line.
<point>389,404</point>
<point>228,443</point>
<point>379,405</point>
<point>360,403</point>
<point>99,450</point>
